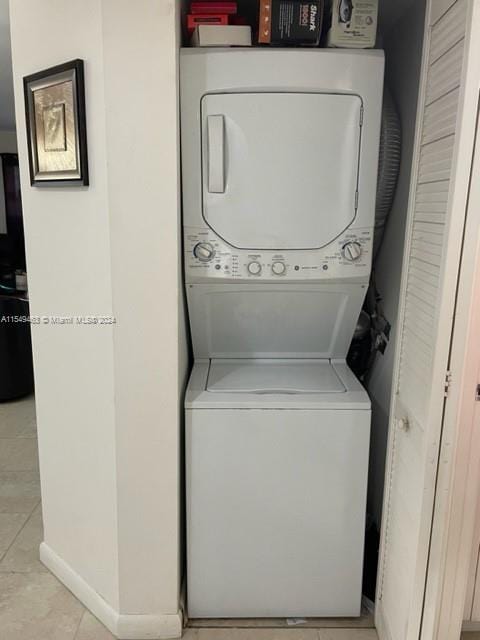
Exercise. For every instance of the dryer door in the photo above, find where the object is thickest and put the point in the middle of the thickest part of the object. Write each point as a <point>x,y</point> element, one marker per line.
<point>280,170</point>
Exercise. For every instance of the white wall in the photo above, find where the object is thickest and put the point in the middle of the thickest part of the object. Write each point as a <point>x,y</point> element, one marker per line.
<point>140,58</point>
<point>108,397</point>
<point>68,260</point>
<point>8,144</point>
<point>403,48</point>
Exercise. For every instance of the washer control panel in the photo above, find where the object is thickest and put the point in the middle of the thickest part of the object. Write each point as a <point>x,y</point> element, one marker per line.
<point>208,257</point>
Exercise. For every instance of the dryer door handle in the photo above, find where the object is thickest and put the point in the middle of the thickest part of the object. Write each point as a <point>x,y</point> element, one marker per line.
<point>215,153</point>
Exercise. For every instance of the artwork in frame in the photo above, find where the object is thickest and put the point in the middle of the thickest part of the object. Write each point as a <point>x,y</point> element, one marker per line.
<point>56,128</point>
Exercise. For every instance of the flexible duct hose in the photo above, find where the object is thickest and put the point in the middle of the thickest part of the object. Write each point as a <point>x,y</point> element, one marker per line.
<point>388,166</point>
<point>388,170</point>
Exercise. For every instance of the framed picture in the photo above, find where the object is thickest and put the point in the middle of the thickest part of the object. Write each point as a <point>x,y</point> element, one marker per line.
<point>56,129</point>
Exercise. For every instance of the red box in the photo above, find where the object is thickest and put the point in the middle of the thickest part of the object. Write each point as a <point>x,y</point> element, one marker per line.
<point>226,8</point>
<point>193,20</point>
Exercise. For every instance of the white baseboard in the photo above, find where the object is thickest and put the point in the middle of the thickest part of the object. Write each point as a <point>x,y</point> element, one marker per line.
<point>123,626</point>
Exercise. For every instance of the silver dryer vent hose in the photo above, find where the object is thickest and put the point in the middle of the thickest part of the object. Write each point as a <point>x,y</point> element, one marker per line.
<point>388,166</point>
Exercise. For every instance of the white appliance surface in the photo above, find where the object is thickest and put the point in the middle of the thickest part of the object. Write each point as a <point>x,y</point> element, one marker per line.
<point>273,320</point>
<point>273,376</point>
<point>279,163</point>
<point>290,167</point>
<point>306,266</point>
<point>275,509</point>
<point>274,384</point>
<point>279,168</point>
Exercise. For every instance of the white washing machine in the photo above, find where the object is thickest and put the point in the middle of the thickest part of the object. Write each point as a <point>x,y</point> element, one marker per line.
<point>279,160</point>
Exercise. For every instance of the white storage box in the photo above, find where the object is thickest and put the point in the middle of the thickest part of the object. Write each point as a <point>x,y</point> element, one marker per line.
<point>353,24</point>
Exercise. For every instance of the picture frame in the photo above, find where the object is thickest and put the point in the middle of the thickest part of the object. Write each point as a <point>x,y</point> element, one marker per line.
<point>56,125</point>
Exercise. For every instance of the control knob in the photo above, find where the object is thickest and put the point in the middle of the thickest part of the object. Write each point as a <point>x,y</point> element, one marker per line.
<point>203,251</point>
<point>278,268</point>
<point>351,251</point>
<point>254,268</point>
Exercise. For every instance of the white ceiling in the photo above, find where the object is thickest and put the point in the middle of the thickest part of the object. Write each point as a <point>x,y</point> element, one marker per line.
<point>7,112</point>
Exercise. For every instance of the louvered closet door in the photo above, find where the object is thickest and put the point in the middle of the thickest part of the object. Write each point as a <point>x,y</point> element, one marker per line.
<point>430,270</point>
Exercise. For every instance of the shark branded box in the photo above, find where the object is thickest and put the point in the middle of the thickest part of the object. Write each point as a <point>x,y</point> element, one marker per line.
<point>290,22</point>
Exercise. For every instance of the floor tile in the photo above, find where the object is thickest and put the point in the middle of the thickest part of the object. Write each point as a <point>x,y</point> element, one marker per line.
<point>347,634</point>
<point>23,555</point>
<point>10,525</point>
<point>14,429</point>
<point>19,491</point>
<point>36,606</point>
<point>91,629</point>
<point>17,418</point>
<point>18,454</point>
<point>256,634</point>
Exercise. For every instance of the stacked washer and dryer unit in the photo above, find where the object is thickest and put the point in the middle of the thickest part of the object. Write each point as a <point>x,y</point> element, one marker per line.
<point>279,160</point>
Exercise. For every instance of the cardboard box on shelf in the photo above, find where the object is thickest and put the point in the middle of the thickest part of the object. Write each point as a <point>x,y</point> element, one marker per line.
<point>207,35</point>
<point>290,22</point>
<point>352,23</point>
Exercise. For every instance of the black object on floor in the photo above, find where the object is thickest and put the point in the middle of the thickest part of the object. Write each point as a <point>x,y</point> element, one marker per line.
<point>370,562</point>
<point>16,362</point>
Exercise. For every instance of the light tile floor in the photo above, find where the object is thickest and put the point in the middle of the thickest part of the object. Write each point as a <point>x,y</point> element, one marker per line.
<point>34,605</point>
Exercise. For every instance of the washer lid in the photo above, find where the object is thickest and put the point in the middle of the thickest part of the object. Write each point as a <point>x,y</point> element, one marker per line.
<point>273,376</point>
